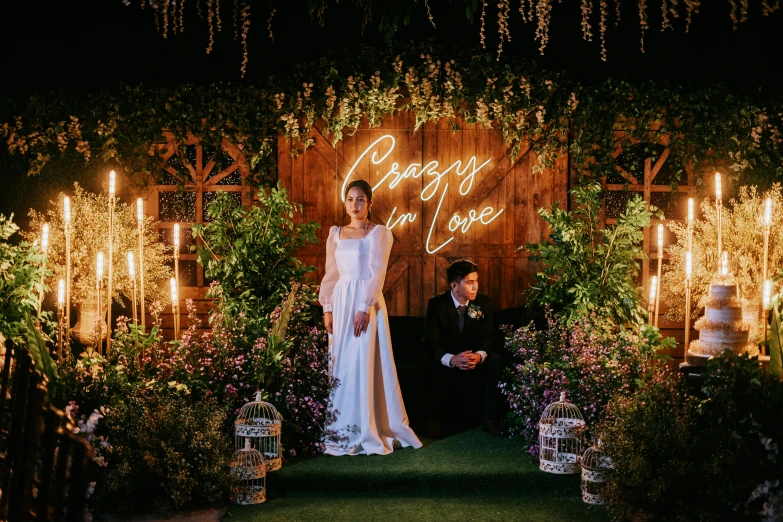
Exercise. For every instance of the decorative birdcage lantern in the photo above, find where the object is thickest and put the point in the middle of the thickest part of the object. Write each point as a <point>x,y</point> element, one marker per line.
<point>596,465</point>
<point>248,471</point>
<point>260,422</point>
<point>560,437</point>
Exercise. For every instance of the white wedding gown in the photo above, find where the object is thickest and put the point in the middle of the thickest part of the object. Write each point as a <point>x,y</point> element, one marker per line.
<point>368,407</point>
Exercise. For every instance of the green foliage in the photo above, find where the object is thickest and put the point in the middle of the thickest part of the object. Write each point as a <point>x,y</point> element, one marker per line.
<point>22,275</point>
<point>166,452</point>
<point>36,344</point>
<point>589,269</point>
<point>249,254</point>
<point>696,453</point>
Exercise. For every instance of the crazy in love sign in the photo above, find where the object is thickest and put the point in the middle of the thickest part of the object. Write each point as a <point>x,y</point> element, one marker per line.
<point>437,181</point>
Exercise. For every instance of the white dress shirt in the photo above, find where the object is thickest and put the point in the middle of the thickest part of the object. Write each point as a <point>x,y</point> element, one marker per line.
<point>446,359</point>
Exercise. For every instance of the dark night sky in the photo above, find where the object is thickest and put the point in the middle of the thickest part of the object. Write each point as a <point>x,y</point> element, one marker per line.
<point>89,44</point>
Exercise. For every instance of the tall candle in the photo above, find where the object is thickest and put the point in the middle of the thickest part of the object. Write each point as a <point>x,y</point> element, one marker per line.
<point>718,207</point>
<point>768,212</point>
<point>67,221</point>
<point>140,222</point>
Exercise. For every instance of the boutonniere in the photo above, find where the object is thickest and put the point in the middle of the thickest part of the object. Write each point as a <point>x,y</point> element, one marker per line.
<point>474,312</point>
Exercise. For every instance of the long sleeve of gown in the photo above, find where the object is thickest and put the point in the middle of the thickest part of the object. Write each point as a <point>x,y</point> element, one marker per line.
<point>332,275</point>
<point>380,248</point>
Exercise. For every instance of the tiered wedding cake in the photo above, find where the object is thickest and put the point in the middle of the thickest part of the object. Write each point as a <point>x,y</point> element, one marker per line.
<point>722,327</point>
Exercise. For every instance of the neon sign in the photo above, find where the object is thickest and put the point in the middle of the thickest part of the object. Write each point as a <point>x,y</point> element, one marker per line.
<point>430,171</point>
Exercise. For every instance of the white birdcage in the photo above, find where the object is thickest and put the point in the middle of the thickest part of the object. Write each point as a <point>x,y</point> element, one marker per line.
<point>560,437</point>
<point>260,422</point>
<point>248,471</point>
<point>596,465</point>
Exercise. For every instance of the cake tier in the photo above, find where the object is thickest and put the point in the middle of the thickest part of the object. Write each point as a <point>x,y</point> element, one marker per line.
<point>720,337</point>
<point>709,301</point>
<point>723,315</point>
<point>699,353</point>
<point>722,291</point>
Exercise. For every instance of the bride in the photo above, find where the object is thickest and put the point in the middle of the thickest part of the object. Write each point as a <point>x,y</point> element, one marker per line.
<point>368,406</point>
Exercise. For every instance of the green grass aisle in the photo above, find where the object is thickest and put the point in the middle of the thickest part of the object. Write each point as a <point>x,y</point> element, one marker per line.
<point>470,476</point>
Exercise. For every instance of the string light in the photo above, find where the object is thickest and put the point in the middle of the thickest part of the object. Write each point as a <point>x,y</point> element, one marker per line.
<point>176,236</point>
<point>131,265</point>
<point>67,210</point>
<point>660,238</point>
<point>140,211</point>
<point>688,265</point>
<point>173,283</point>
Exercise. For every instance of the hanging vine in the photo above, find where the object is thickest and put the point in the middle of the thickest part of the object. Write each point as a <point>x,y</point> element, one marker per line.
<point>392,16</point>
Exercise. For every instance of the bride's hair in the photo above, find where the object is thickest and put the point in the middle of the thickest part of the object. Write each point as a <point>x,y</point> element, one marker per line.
<point>364,187</point>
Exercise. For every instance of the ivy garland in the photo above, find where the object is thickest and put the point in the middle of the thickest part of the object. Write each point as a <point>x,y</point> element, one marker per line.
<point>708,127</point>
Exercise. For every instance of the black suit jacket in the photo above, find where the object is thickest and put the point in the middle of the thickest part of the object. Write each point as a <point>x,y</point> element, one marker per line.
<point>442,333</point>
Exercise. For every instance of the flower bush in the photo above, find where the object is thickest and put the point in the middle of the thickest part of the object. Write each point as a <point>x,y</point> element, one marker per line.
<point>701,452</point>
<point>590,359</point>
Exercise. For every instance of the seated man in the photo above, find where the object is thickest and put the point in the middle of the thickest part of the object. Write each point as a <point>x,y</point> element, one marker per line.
<point>459,334</point>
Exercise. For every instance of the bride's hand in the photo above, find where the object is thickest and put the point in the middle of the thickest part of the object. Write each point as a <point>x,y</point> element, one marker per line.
<point>328,321</point>
<point>360,323</point>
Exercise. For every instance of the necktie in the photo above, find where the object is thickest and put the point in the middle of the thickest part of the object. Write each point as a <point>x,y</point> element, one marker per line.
<point>461,311</point>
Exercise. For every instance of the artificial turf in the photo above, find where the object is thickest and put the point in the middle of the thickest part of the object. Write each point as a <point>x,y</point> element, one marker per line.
<point>469,476</point>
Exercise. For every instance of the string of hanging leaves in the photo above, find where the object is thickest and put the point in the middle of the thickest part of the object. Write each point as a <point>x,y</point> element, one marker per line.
<point>391,16</point>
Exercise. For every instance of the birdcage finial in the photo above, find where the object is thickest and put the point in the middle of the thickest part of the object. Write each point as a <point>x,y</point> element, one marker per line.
<point>562,396</point>
<point>247,443</point>
<point>258,395</point>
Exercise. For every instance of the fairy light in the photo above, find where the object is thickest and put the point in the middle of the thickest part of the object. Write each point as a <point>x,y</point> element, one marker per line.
<point>112,183</point>
<point>688,265</point>
<point>131,265</point>
<point>768,213</point>
<point>176,237</point>
<point>767,293</point>
<point>653,288</point>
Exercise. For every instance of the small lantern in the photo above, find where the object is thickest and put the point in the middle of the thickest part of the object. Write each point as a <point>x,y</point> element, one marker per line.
<point>596,465</point>
<point>260,422</point>
<point>560,437</point>
<point>248,471</point>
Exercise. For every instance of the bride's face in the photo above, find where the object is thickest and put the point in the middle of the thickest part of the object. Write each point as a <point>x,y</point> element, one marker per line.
<point>356,204</point>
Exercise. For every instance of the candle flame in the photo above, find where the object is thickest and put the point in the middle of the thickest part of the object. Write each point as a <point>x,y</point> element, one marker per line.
<point>724,263</point>
<point>112,181</point>
<point>768,213</point>
<point>688,265</point>
<point>767,293</point>
<point>173,283</point>
<point>718,191</point>
<point>67,210</point>
<point>60,293</point>
<point>131,265</point>
<point>99,268</point>
<point>140,211</point>
<point>45,237</point>
<point>653,288</point>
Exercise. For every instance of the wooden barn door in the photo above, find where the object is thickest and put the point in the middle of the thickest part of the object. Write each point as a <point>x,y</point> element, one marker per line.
<point>424,246</point>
